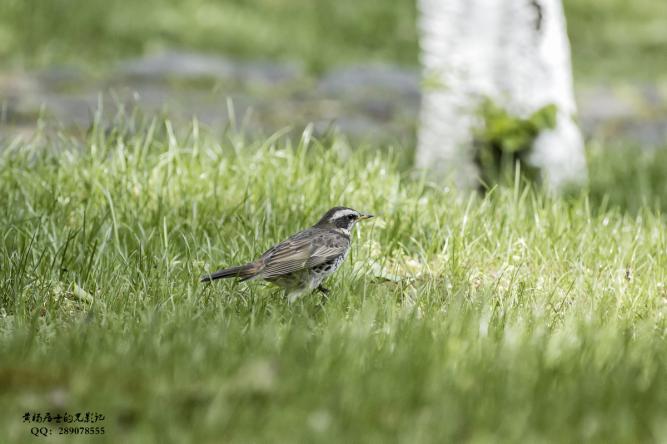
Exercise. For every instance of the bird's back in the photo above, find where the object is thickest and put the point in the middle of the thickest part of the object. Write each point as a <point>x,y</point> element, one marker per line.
<point>304,250</point>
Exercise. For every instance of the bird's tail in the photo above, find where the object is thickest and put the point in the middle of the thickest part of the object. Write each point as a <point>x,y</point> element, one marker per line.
<point>244,272</point>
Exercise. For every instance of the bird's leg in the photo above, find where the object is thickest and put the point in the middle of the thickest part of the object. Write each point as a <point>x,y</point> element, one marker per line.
<point>325,293</point>
<point>292,296</point>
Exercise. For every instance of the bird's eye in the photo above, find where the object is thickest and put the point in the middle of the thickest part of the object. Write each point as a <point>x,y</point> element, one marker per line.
<point>351,217</point>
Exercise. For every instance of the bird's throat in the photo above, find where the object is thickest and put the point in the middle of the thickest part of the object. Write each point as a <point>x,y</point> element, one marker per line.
<point>344,231</point>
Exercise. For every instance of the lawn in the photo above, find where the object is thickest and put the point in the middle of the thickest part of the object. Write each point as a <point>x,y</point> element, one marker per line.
<point>611,39</point>
<point>513,316</point>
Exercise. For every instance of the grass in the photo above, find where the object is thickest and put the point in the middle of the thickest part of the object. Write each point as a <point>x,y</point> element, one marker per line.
<point>611,39</point>
<point>292,29</point>
<point>514,316</point>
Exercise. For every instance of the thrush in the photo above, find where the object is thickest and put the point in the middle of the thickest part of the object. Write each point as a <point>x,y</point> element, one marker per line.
<point>302,262</point>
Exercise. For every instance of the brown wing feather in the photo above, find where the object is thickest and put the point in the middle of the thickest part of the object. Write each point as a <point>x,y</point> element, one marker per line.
<point>304,250</point>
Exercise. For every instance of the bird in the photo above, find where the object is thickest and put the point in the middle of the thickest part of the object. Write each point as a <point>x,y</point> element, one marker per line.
<point>300,263</point>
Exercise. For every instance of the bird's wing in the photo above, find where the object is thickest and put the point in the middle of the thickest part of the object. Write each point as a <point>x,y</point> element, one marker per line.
<point>302,251</point>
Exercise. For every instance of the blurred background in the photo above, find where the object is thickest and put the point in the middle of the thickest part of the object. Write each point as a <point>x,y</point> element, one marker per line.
<point>348,64</point>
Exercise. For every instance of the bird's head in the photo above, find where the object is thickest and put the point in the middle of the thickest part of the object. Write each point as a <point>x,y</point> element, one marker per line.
<point>342,217</point>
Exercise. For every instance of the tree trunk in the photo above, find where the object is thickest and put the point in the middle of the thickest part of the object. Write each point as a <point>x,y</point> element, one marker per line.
<point>513,52</point>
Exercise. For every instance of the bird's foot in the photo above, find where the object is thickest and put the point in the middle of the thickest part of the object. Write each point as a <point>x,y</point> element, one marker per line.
<point>324,291</point>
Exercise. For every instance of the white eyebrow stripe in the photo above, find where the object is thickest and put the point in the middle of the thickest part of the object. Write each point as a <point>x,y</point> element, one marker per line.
<point>340,213</point>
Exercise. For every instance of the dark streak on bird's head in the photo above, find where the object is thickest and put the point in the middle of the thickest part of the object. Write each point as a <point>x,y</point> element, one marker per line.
<point>342,217</point>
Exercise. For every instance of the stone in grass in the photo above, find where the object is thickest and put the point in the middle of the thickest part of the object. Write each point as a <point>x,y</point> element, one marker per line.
<point>364,80</point>
<point>185,65</point>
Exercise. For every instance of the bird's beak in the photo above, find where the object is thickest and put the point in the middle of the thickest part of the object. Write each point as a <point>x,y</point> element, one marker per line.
<point>365,216</point>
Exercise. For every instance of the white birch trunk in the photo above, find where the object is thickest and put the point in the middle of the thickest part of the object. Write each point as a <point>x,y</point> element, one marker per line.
<point>514,52</point>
